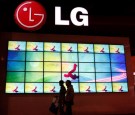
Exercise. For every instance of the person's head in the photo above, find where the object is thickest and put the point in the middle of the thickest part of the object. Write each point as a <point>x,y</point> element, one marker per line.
<point>68,83</point>
<point>61,82</point>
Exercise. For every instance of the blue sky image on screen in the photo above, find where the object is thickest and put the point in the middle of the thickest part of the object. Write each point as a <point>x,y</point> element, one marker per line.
<point>102,58</point>
<point>34,87</point>
<point>34,77</point>
<point>51,87</point>
<point>116,67</point>
<point>85,48</point>
<point>103,77</point>
<point>52,66</point>
<point>69,47</point>
<point>119,77</point>
<point>87,77</point>
<point>18,56</point>
<point>49,56</point>
<point>16,45</point>
<point>14,87</point>
<point>34,56</point>
<point>69,57</point>
<point>104,87</point>
<point>53,47</point>
<point>119,49</point>
<point>87,87</point>
<point>15,66</point>
<point>102,67</point>
<point>120,87</point>
<point>52,76</point>
<point>101,48</point>
<point>34,46</point>
<point>118,58</point>
<point>86,57</point>
<point>86,67</point>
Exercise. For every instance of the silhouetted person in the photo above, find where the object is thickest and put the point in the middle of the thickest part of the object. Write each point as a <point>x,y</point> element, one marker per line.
<point>61,97</point>
<point>69,99</point>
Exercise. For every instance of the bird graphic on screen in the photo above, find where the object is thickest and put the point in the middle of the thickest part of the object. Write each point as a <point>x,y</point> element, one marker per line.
<point>88,89</point>
<point>121,89</point>
<point>117,51</point>
<point>17,48</point>
<point>15,90</point>
<point>34,90</point>
<point>70,49</point>
<point>35,48</point>
<point>53,49</point>
<point>69,74</point>
<point>105,90</point>
<point>53,89</point>
<point>86,50</point>
<point>102,50</point>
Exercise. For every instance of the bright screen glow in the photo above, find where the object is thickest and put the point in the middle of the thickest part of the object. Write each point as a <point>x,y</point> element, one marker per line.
<point>37,67</point>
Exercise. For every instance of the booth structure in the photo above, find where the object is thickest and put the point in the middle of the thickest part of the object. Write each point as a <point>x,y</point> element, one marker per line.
<point>112,94</point>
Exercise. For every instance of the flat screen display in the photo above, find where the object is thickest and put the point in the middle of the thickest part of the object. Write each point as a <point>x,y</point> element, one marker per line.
<point>37,67</point>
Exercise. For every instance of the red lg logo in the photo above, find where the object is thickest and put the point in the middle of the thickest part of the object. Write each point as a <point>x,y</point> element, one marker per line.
<point>30,15</point>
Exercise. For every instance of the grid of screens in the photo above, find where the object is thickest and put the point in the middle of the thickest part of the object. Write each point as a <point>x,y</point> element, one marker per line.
<point>37,67</point>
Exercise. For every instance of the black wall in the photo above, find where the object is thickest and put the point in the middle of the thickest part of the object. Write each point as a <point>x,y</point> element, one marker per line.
<point>106,18</point>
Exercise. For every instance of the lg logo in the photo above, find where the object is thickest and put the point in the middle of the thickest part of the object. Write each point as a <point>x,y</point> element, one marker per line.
<point>73,17</point>
<point>31,15</point>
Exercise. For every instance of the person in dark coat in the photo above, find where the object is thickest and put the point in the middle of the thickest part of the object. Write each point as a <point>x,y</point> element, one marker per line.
<point>61,97</point>
<point>69,99</point>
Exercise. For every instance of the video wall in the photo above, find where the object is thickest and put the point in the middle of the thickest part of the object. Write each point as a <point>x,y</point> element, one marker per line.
<point>37,67</point>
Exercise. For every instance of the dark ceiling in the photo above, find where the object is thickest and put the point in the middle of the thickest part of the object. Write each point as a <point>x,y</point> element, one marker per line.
<point>106,18</point>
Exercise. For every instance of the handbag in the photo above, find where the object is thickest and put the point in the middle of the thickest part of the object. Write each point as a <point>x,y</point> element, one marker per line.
<point>53,108</point>
<point>54,105</point>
